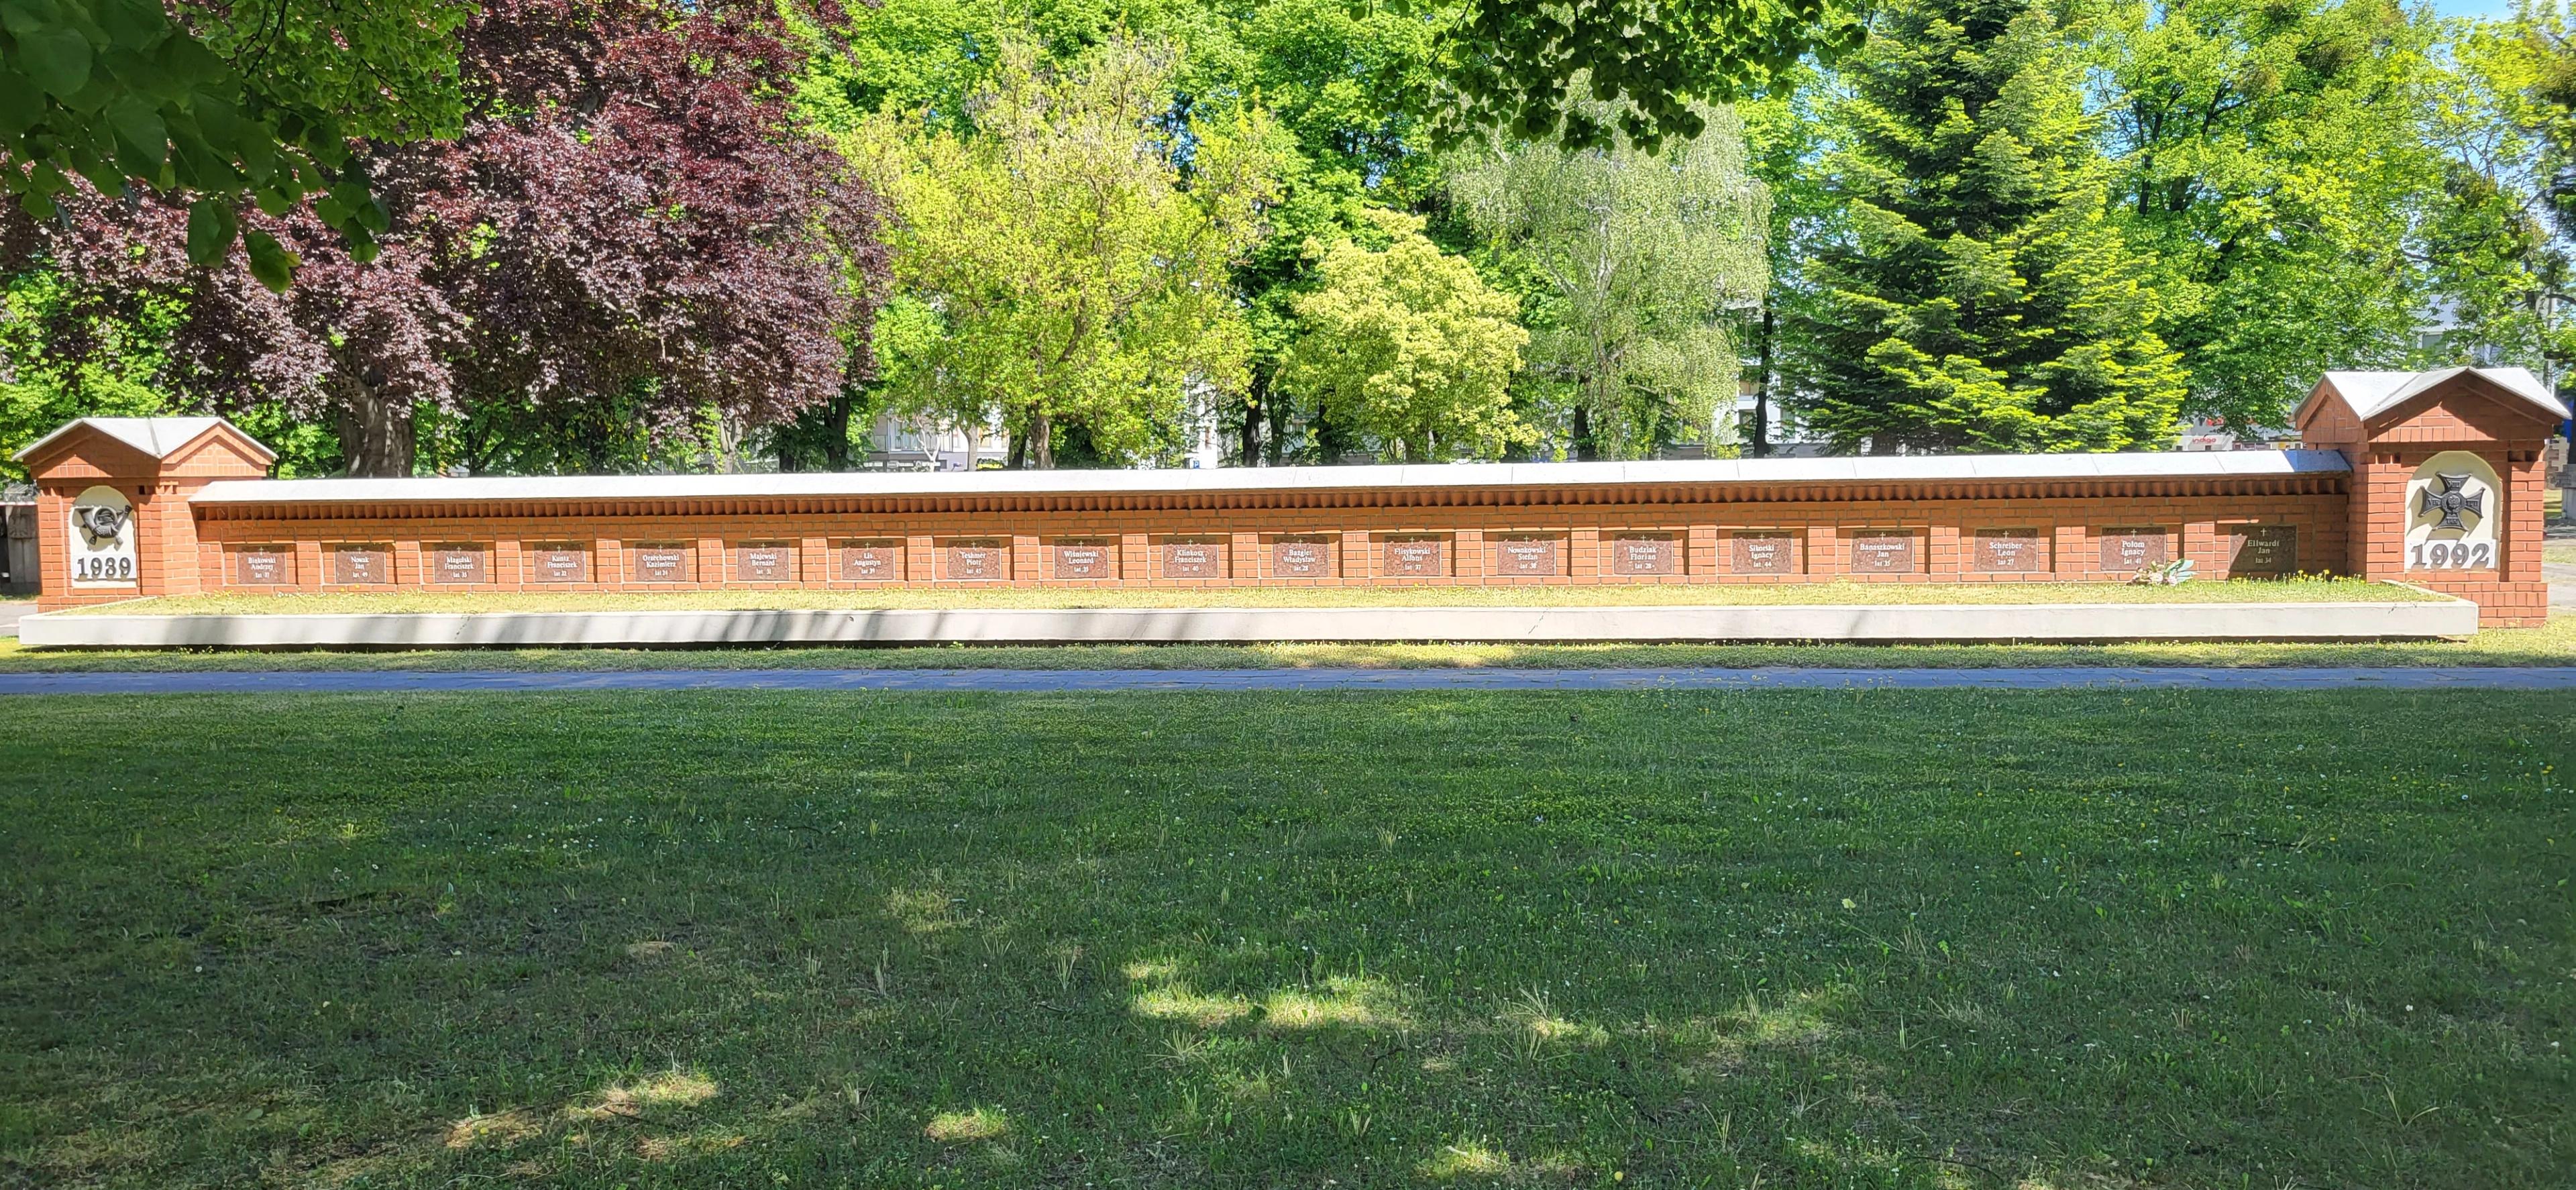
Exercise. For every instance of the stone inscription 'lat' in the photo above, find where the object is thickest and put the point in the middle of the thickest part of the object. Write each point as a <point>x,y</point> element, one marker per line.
<point>561,563</point>
<point>1526,556</point>
<point>1645,554</point>
<point>1882,553</point>
<point>264,565</point>
<point>1766,553</point>
<point>1301,557</point>
<point>2132,549</point>
<point>1193,559</point>
<point>1416,557</point>
<point>766,562</point>
<point>459,564</point>
<point>354,565</point>
<point>871,562</point>
<point>978,561</point>
<point>661,564</point>
<point>2009,550</point>
<point>2262,550</point>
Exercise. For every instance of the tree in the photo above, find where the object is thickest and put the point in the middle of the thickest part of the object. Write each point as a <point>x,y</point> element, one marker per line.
<point>243,101</point>
<point>1075,248</point>
<point>1975,296</point>
<point>628,220</point>
<point>2273,157</point>
<point>2497,242</point>
<point>1646,261</point>
<point>1528,69</point>
<point>1406,344</point>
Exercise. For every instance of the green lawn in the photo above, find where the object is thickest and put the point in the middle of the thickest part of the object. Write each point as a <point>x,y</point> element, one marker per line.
<point>2554,644</point>
<point>1870,939</point>
<point>2311,590</point>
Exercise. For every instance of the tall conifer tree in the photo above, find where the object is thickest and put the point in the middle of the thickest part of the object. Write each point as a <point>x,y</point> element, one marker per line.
<point>1970,294</point>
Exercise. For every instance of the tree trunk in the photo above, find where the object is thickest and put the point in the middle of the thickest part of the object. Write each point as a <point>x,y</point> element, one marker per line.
<point>376,436</point>
<point>1041,441</point>
<point>836,440</point>
<point>1252,419</point>
<point>1016,456</point>
<point>1585,448</point>
<point>1762,390</point>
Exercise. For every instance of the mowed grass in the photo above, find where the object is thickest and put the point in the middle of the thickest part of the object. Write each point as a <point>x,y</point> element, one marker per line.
<point>2551,644</point>
<point>2299,590</point>
<point>1873,939</point>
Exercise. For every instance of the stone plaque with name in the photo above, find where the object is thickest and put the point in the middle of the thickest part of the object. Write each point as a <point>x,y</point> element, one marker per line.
<point>1645,553</point>
<point>264,565</point>
<point>1882,552</point>
<point>559,563</point>
<point>2008,551</point>
<point>1302,557</point>
<point>362,564</point>
<point>661,564</point>
<point>1766,553</point>
<point>459,564</point>
<point>871,561</point>
<point>1416,557</point>
<point>979,561</point>
<point>1086,559</point>
<point>2133,549</point>
<point>2262,550</point>
<point>1532,554</point>
<point>1194,559</point>
<point>765,562</point>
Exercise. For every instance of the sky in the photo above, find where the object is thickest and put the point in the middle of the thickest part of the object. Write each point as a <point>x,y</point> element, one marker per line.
<point>2472,8</point>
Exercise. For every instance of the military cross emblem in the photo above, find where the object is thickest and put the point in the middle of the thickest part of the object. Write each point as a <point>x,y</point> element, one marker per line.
<point>2453,499</point>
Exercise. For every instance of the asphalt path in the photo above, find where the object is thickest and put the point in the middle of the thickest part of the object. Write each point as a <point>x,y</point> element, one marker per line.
<point>1147,680</point>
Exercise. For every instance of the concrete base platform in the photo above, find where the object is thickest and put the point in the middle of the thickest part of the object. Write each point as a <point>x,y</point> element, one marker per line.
<point>1878,622</point>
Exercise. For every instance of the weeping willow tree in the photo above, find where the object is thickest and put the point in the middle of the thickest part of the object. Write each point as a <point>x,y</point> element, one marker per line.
<point>1643,260</point>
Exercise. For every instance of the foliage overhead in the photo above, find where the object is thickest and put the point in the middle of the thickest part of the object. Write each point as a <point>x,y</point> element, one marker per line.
<point>232,103</point>
<point>1976,296</point>
<point>627,217</point>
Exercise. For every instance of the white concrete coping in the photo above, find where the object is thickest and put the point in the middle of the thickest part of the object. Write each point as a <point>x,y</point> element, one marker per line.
<point>1851,469</point>
<point>1873,622</point>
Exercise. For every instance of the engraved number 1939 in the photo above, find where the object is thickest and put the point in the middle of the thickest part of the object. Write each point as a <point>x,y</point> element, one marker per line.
<point>2442,555</point>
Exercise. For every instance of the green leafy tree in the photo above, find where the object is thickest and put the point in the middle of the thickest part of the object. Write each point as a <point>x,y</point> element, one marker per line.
<point>1975,295</point>
<point>1407,345</point>
<point>2497,244</point>
<point>233,103</point>
<point>1647,261</point>
<point>2273,157</point>
<point>1079,269</point>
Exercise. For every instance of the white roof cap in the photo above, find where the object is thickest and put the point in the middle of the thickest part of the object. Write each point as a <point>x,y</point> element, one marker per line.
<point>154,436</point>
<point>2373,393</point>
<point>1851,469</point>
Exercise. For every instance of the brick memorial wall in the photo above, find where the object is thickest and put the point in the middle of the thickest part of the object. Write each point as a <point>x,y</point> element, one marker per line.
<point>2430,478</point>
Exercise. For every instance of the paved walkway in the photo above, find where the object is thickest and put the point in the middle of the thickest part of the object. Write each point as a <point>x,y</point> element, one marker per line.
<point>10,610</point>
<point>1027,680</point>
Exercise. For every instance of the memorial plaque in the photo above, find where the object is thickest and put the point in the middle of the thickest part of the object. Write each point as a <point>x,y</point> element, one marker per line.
<point>980,561</point>
<point>2262,550</point>
<point>459,564</point>
<point>1086,559</point>
<point>1301,557</point>
<point>765,562</point>
<point>661,564</point>
<point>871,561</point>
<point>264,565</point>
<point>2133,549</point>
<point>559,563</point>
<point>1645,553</point>
<point>2009,551</point>
<point>1533,554</point>
<point>1766,553</point>
<point>1882,552</point>
<point>353,565</point>
<point>1416,557</point>
<point>1194,558</point>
